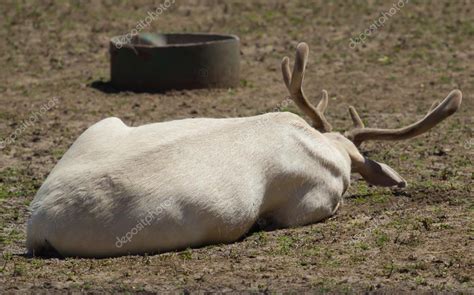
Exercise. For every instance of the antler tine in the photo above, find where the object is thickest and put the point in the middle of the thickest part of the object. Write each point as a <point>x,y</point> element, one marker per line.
<point>443,110</point>
<point>285,69</point>
<point>294,82</point>
<point>356,118</point>
<point>323,103</point>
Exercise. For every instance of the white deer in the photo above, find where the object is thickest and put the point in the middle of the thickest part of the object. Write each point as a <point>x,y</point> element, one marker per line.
<point>166,186</point>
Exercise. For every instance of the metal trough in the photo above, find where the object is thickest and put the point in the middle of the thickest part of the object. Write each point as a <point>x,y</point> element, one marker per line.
<point>159,62</point>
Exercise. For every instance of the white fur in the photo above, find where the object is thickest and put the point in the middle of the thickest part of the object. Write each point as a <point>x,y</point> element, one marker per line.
<point>208,181</point>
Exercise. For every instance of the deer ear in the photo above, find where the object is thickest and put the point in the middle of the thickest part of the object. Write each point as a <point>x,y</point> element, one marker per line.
<point>379,174</point>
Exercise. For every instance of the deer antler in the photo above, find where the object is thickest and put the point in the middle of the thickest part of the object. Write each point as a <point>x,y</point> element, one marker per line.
<point>294,83</point>
<point>436,114</point>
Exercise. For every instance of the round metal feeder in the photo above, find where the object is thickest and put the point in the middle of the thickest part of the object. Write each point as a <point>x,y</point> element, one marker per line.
<point>159,62</point>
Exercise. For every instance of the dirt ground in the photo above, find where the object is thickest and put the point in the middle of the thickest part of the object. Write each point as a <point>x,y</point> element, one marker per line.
<point>417,239</point>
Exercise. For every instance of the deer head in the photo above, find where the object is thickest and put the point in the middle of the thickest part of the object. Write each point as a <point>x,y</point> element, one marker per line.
<point>373,172</point>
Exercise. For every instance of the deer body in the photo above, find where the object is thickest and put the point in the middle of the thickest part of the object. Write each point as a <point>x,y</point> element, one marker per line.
<point>206,180</point>
<point>166,186</point>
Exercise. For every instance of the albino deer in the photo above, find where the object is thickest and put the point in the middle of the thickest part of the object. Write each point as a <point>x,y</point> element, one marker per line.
<point>166,186</point>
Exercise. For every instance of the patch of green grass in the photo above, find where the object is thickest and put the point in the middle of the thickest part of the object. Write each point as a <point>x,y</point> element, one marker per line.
<point>380,198</point>
<point>3,191</point>
<point>424,222</point>
<point>5,116</point>
<point>297,20</point>
<point>471,207</point>
<point>404,157</point>
<point>399,223</point>
<point>392,77</point>
<point>390,268</point>
<point>7,257</point>
<point>412,268</point>
<point>362,246</point>
<point>362,193</point>
<point>438,210</point>
<point>443,226</point>
<point>314,251</point>
<point>231,91</point>
<point>285,244</point>
<point>385,60</point>
<point>86,286</point>
<point>468,28</point>
<point>442,185</point>
<point>16,183</point>
<point>453,66</point>
<point>37,263</point>
<point>270,15</point>
<point>246,83</point>
<point>261,238</point>
<point>19,269</point>
<point>286,109</point>
<point>445,80</point>
<point>186,254</point>
<point>381,238</point>
<point>10,237</point>
<point>58,153</point>
<point>419,280</point>
<point>357,258</point>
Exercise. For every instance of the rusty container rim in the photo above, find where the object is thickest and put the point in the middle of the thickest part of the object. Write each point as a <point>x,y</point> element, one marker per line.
<point>224,38</point>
